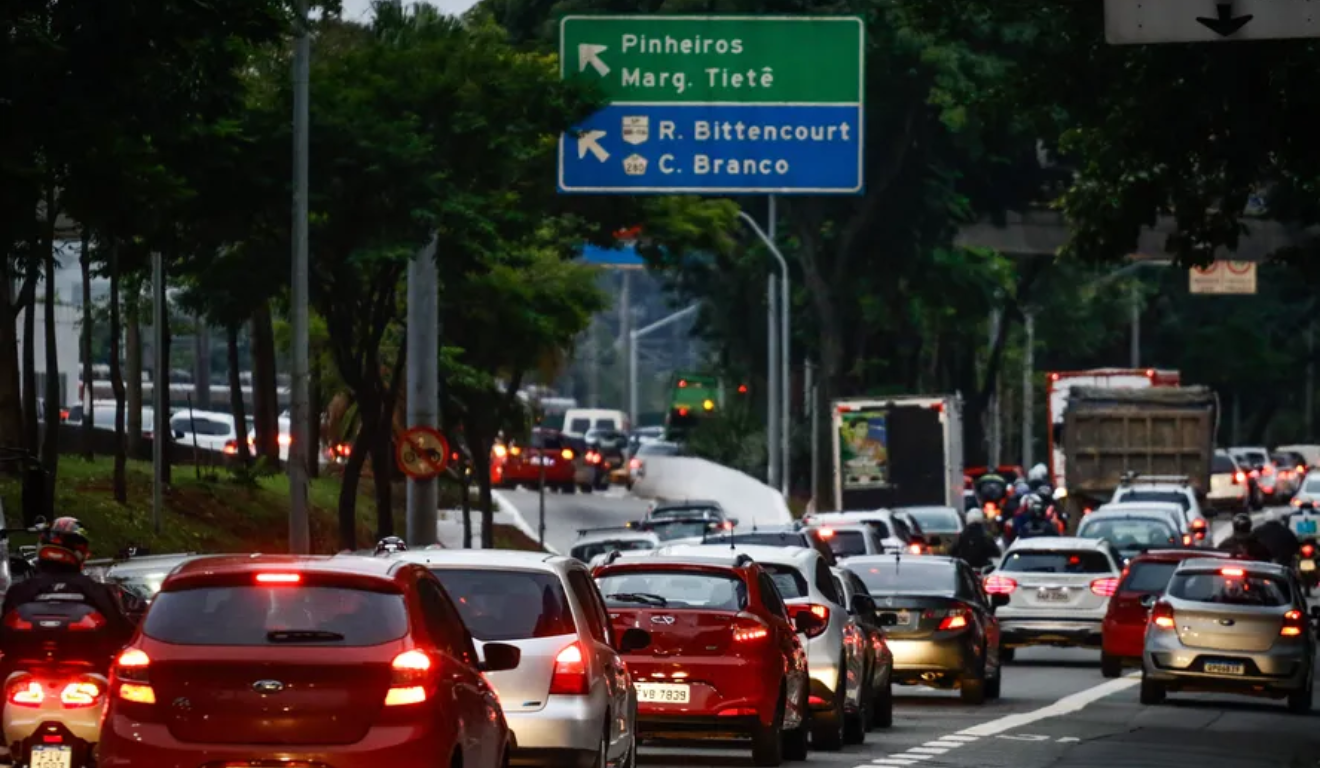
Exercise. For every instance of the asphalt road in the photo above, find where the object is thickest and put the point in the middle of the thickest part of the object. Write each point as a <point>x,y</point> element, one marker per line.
<point>565,514</point>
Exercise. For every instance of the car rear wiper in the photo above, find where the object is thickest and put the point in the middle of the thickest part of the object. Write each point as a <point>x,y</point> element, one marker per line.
<point>639,597</point>
<point>302,636</point>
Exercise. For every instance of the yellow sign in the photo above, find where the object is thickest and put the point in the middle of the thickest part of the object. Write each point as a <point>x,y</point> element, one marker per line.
<point>1224,277</point>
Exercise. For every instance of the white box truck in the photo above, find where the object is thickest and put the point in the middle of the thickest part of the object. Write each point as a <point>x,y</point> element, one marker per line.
<point>897,452</point>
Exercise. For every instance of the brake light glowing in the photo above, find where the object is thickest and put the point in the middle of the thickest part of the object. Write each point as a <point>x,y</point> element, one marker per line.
<point>410,671</point>
<point>825,533</point>
<point>133,658</point>
<point>1293,626</point>
<point>515,451</point>
<point>1104,587</point>
<point>570,676</point>
<point>231,448</point>
<point>14,621</point>
<point>1162,616</point>
<point>634,463</point>
<point>746,629</point>
<point>567,454</point>
<point>79,695</point>
<point>999,585</point>
<point>1232,572</point>
<point>682,383</point>
<point>279,578</point>
<point>1308,550</point>
<point>708,405</point>
<point>915,549</point>
<point>285,440</point>
<point>131,673</point>
<point>26,694</point>
<point>1239,477</point>
<point>821,612</point>
<point>957,619</point>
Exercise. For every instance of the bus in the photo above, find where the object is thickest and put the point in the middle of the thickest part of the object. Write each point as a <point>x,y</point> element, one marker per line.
<point>692,398</point>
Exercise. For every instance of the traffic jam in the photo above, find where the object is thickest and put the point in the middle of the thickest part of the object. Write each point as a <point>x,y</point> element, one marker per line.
<point>689,625</point>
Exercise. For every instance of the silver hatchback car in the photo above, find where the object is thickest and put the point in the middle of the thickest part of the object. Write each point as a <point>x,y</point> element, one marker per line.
<point>1230,626</point>
<point>571,701</point>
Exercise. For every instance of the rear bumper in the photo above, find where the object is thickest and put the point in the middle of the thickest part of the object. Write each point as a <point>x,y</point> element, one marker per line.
<point>689,726</point>
<point>1264,673</point>
<point>1054,631</point>
<point>564,723</point>
<point>719,690</point>
<point>913,658</point>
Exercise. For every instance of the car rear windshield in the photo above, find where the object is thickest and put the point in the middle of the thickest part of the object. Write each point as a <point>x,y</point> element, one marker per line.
<point>674,589</point>
<point>762,538</point>
<point>1312,487</point>
<point>585,552</point>
<point>1149,577</point>
<point>704,511</point>
<point>937,519</point>
<point>1167,497</point>
<point>681,528</point>
<point>846,543</point>
<point>790,580</point>
<point>579,425</point>
<point>1214,587</point>
<point>1056,561</point>
<point>278,615</point>
<point>906,576</point>
<point>1133,533</point>
<point>1222,465</point>
<point>508,605</point>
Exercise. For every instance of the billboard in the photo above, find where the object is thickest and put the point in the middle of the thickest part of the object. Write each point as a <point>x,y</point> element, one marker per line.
<point>864,449</point>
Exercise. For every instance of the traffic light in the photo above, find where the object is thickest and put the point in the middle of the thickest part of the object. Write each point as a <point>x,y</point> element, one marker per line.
<point>708,405</point>
<point>742,389</point>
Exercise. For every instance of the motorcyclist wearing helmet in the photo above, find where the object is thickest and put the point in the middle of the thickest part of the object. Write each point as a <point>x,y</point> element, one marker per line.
<point>59,580</point>
<point>389,545</point>
<point>1031,521</point>
<point>1038,477</point>
<point>974,545</point>
<point>1244,543</point>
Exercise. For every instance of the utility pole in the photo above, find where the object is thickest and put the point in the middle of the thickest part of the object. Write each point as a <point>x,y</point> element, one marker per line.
<point>160,390</point>
<point>1136,325</point>
<point>778,352</point>
<point>593,365</point>
<point>423,385</point>
<point>1310,381</point>
<point>772,387</point>
<point>813,412</point>
<point>300,536</point>
<point>625,313</point>
<point>1028,388</point>
<point>785,367</point>
<point>992,415</point>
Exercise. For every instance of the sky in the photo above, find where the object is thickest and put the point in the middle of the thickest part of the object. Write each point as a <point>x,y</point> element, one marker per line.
<point>360,10</point>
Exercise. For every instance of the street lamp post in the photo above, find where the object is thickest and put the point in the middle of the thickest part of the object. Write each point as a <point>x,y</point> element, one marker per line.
<point>633,337</point>
<point>784,329</point>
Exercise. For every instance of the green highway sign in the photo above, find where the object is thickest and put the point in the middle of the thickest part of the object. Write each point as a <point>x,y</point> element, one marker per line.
<point>717,59</point>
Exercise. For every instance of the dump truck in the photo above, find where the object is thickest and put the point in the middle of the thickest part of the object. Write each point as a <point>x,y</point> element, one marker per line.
<point>897,452</point>
<point>1110,434</point>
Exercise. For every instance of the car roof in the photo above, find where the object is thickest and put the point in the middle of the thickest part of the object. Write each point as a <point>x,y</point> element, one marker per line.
<point>622,534</point>
<point>1255,566</point>
<point>1057,542</point>
<point>1178,555</point>
<point>862,560</point>
<point>701,503</point>
<point>1160,486</point>
<point>484,559</point>
<point>759,553</point>
<point>150,563</point>
<point>923,507</point>
<point>380,568</point>
<point>857,525</point>
<point>711,557</point>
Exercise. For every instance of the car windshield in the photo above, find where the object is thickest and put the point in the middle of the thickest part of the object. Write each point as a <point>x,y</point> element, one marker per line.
<point>674,589</point>
<point>1129,533</point>
<point>1149,577</point>
<point>668,530</point>
<point>844,543</point>
<point>141,585</point>
<point>1056,561</point>
<point>1312,487</point>
<point>579,426</point>
<point>937,519</point>
<point>705,512</point>
<point>1216,587</point>
<point>262,615</point>
<point>585,552</point>
<point>903,576</point>
<point>1222,465</point>
<point>1167,497</point>
<point>789,580</point>
<point>508,605</point>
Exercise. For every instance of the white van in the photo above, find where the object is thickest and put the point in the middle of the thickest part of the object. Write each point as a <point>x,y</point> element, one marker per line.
<point>579,421</point>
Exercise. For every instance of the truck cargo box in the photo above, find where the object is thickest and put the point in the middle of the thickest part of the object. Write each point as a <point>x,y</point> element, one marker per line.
<point>1109,433</point>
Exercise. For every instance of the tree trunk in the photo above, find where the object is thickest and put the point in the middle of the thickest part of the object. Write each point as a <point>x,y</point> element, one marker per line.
<point>348,489</point>
<point>313,436</point>
<point>117,382</point>
<point>465,486</point>
<point>265,402</point>
<point>236,394</point>
<point>88,326</point>
<point>133,358</point>
<point>11,400</point>
<point>50,443</point>
<point>31,422</point>
<point>163,364</point>
<point>481,467</point>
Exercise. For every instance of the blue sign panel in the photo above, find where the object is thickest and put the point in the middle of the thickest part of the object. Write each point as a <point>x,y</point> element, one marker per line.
<point>715,149</point>
<point>618,258</point>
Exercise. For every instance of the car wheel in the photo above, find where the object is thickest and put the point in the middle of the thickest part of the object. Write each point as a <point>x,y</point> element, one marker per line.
<point>587,487</point>
<point>603,751</point>
<point>768,742</point>
<point>855,723</point>
<point>1152,692</point>
<point>1110,665</point>
<point>1006,655</point>
<point>795,741</point>
<point>882,707</point>
<point>1300,701</point>
<point>827,727</point>
<point>972,690</point>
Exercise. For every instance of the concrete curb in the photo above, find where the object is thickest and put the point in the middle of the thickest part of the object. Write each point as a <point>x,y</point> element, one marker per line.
<point>518,520</point>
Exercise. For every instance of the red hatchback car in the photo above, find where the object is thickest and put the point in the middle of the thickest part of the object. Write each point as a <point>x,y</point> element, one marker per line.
<point>724,659</point>
<point>513,464</point>
<point>304,662</point>
<point>1123,632</point>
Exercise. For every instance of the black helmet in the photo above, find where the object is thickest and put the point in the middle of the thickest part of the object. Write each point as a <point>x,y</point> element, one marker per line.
<point>1242,523</point>
<point>390,544</point>
<point>64,541</point>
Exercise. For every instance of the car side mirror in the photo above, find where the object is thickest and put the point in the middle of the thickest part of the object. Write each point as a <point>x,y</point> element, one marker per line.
<point>999,601</point>
<point>634,639</point>
<point>806,622</point>
<point>500,657</point>
<point>863,605</point>
<point>1148,601</point>
<point>1315,613</point>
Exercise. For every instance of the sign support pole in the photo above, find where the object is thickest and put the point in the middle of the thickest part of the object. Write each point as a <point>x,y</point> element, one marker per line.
<point>423,352</point>
<point>771,385</point>
<point>1028,391</point>
<point>785,366</point>
<point>777,409</point>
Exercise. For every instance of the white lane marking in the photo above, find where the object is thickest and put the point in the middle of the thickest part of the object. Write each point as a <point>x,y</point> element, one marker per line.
<point>1065,706</point>
<point>909,755</point>
<point>891,761</point>
<point>1023,737</point>
<point>926,751</point>
<point>943,743</point>
<point>1066,739</point>
<point>959,737</point>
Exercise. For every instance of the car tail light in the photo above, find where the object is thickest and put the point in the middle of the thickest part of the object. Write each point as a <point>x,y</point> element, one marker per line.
<point>80,695</point>
<point>570,677</point>
<point>231,448</point>
<point>567,453</point>
<point>26,693</point>
<point>915,549</point>
<point>634,463</point>
<point>1239,477</point>
<point>1293,624</point>
<point>1104,587</point>
<point>279,578</point>
<point>1187,539</point>
<point>1267,470</point>
<point>14,621</point>
<point>956,619</point>
<point>89,623</point>
<point>825,533</point>
<point>130,671</point>
<point>1308,550</point>
<point>410,672</point>
<point>499,451</point>
<point>1162,615</point>
<point>64,414</point>
<point>285,440</point>
<point>748,628</point>
<point>819,611</point>
<point>1232,572</point>
<point>515,451</point>
<point>999,585</point>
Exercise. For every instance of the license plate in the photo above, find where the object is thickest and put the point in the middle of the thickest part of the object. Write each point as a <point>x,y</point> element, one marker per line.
<point>663,693</point>
<point>1305,526</point>
<point>1225,668</point>
<point>1052,595</point>
<point>901,618</point>
<point>1307,565</point>
<point>52,757</point>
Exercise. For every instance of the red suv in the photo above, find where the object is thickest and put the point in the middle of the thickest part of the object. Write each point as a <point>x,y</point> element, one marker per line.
<point>1123,633</point>
<point>304,661</point>
<point>724,657</point>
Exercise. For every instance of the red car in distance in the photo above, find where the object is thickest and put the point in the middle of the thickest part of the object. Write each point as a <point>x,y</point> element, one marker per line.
<point>290,661</point>
<point>724,658</point>
<point>513,464</point>
<point>1123,632</point>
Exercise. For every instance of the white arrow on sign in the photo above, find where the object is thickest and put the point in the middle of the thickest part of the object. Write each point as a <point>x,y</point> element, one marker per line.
<point>589,53</point>
<point>588,142</point>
